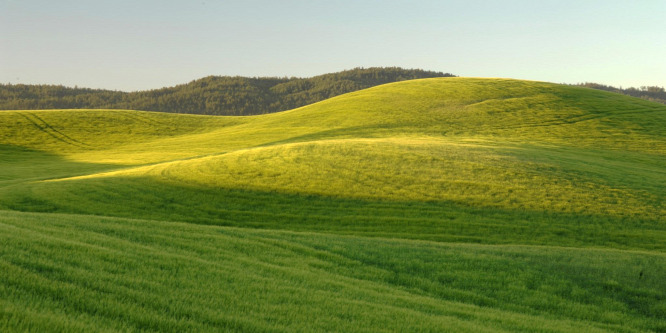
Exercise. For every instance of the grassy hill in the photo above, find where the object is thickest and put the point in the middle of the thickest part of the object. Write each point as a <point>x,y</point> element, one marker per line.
<point>545,203</point>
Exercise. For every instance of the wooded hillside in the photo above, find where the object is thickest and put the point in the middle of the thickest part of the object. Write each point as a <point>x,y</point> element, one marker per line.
<point>212,95</point>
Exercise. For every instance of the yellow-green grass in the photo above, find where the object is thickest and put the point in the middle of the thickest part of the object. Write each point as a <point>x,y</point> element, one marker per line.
<point>514,146</point>
<point>80,273</point>
<point>426,169</point>
<point>524,168</point>
<point>460,108</point>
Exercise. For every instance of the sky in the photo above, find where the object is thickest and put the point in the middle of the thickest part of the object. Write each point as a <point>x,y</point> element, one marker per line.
<point>148,44</point>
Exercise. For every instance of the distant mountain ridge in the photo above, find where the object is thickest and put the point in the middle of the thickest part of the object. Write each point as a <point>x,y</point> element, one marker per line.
<point>212,95</point>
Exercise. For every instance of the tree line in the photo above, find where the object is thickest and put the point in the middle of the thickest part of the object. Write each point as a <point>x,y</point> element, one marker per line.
<point>212,95</point>
<point>650,93</point>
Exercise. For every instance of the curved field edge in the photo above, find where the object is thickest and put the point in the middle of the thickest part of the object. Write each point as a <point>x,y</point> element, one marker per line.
<point>77,273</point>
<point>482,174</point>
<point>444,221</point>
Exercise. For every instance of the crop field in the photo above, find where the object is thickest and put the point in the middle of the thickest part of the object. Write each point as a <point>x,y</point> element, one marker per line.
<point>434,205</point>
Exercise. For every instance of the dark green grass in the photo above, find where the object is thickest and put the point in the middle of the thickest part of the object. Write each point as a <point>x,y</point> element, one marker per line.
<point>21,165</point>
<point>437,221</point>
<point>77,273</point>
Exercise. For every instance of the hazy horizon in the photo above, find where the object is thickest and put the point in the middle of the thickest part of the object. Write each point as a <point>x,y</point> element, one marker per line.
<point>129,45</point>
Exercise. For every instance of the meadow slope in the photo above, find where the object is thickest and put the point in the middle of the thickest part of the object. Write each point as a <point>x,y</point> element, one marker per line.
<point>81,273</point>
<point>525,168</point>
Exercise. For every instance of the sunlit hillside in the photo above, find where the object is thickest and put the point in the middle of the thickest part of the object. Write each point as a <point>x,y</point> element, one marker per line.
<point>505,144</point>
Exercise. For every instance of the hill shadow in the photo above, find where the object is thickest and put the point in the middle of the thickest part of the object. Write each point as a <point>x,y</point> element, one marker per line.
<point>21,164</point>
<point>441,221</point>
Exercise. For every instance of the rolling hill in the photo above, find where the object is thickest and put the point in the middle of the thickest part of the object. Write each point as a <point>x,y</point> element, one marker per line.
<point>438,204</point>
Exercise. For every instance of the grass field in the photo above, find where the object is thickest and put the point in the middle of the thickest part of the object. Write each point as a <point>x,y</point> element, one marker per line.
<point>449,204</point>
<point>78,273</point>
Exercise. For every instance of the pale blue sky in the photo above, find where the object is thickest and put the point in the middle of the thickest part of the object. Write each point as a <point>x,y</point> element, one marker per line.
<point>137,45</point>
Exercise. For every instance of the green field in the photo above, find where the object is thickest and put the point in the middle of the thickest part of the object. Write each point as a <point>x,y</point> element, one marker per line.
<point>448,204</point>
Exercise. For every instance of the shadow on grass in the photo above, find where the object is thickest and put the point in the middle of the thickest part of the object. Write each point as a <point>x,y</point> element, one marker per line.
<point>146,198</point>
<point>20,164</point>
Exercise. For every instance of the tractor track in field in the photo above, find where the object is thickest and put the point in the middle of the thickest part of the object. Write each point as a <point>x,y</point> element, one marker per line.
<point>45,127</point>
<point>146,120</point>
